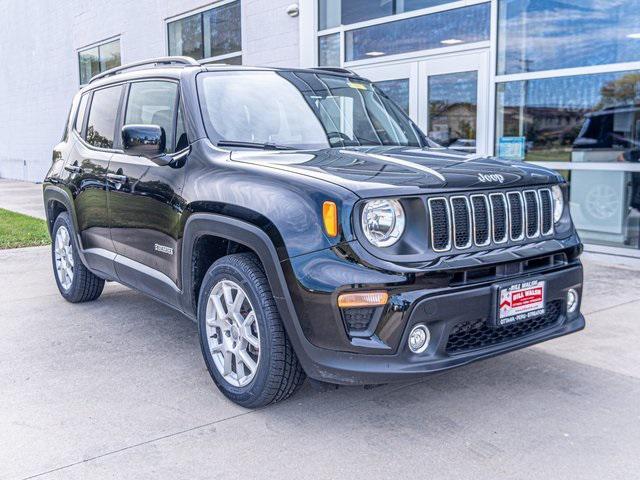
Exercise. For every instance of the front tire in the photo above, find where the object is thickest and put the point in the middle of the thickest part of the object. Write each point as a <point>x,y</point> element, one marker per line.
<point>243,341</point>
<point>75,282</point>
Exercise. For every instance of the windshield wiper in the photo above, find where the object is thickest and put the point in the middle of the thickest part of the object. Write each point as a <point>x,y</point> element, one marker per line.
<point>264,146</point>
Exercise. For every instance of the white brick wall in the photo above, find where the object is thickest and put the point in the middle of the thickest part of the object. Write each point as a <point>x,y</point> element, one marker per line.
<point>39,68</point>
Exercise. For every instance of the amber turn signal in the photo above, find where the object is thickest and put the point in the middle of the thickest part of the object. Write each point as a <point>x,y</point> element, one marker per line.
<point>362,299</point>
<point>330,218</point>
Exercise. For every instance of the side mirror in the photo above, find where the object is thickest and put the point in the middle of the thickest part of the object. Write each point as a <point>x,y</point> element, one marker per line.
<point>148,141</point>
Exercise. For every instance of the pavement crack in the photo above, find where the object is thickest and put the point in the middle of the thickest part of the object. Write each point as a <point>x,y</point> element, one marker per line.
<point>140,444</point>
<point>188,430</point>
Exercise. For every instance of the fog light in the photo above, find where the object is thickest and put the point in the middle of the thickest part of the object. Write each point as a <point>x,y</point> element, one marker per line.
<point>419,338</point>
<point>572,300</point>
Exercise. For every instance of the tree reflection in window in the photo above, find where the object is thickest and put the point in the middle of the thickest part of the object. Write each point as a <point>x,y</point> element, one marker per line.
<point>97,140</point>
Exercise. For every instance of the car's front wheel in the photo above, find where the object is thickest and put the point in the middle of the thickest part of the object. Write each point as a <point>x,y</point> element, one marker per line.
<point>75,282</point>
<point>243,341</point>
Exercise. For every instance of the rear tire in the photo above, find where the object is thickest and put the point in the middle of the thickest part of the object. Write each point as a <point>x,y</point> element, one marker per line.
<point>244,344</point>
<point>75,282</point>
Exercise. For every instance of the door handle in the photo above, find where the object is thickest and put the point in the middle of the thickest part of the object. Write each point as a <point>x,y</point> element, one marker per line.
<point>73,169</point>
<point>116,178</point>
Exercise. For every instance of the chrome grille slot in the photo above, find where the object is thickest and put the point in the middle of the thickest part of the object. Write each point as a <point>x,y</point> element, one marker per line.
<point>533,213</point>
<point>516,214</point>
<point>440,222</point>
<point>459,222</point>
<point>499,217</point>
<point>461,217</point>
<point>546,211</point>
<point>481,221</point>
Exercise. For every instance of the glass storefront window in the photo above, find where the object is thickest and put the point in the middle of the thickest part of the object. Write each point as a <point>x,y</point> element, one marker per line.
<point>329,13</point>
<point>333,13</point>
<point>329,50</point>
<point>210,34</point>
<point>89,64</point>
<point>587,119</point>
<point>222,30</point>
<point>185,37</point>
<point>109,55</point>
<point>96,60</point>
<point>605,206</point>
<point>582,118</point>
<point>536,35</point>
<point>452,27</point>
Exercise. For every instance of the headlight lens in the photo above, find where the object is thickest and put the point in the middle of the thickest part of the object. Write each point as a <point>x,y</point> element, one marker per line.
<point>558,203</point>
<point>383,222</point>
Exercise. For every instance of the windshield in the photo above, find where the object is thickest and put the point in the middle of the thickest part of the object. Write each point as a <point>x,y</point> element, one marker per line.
<point>302,110</point>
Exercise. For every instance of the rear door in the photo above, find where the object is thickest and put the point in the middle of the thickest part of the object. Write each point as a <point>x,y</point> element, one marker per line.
<point>95,132</point>
<point>144,203</point>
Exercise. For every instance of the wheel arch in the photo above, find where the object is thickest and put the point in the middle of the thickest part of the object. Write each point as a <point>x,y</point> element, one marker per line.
<point>255,239</point>
<point>231,233</point>
<point>57,200</point>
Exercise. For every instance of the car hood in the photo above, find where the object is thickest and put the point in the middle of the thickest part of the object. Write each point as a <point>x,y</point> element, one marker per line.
<point>380,171</point>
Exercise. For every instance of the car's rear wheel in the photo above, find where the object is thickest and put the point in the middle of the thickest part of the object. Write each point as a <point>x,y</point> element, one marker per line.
<point>75,282</point>
<point>243,341</point>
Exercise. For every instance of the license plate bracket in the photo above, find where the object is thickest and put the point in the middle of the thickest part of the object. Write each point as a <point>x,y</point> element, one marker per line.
<point>518,302</point>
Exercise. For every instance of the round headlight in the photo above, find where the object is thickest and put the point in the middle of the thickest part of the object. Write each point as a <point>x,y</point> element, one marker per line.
<point>558,203</point>
<point>383,222</point>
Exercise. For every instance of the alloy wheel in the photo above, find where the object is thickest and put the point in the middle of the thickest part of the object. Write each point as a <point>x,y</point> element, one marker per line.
<point>233,335</point>
<point>63,252</point>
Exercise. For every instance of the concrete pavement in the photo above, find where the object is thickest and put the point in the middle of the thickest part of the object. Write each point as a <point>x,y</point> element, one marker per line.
<point>117,389</point>
<point>22,197</point>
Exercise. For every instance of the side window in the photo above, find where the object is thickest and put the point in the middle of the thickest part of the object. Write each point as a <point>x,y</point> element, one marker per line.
<point>102,117</point>
<point>153,103</point>
<point>181,133</point>
<point>82,108</point>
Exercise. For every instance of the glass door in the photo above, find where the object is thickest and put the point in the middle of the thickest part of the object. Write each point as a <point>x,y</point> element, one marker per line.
<point>398,81</point>
<point>454,101</point>
<point>447,96</point>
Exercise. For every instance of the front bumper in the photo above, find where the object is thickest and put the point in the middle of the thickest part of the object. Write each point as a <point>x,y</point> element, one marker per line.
<point>447,312</point>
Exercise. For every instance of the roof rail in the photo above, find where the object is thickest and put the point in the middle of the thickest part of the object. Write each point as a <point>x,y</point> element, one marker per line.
<point>337,70</point>
<point>152,61</point>
<point>213,62</point>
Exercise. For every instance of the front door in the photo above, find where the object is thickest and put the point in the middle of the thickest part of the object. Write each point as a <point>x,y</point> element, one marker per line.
<point>447,96</point>
<point>144,198</point>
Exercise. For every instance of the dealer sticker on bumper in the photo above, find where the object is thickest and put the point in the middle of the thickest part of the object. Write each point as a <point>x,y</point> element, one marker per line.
<point>521,302</point>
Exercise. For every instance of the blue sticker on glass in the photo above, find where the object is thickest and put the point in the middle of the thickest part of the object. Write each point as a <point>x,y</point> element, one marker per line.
<point>512,148</point>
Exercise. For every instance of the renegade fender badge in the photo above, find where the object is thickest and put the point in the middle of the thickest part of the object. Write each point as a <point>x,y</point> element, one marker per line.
<point>163,249</point>
<point>491,177</point>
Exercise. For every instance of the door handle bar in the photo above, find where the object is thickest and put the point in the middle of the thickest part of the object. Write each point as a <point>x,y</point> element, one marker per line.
<point>116,178</point>
<point>73,169</point>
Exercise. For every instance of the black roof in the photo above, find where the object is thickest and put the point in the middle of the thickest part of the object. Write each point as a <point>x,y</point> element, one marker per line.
<point>174,67</point>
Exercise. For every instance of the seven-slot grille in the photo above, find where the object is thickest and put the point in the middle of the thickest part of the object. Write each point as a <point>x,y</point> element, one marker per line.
<point>461,221</point>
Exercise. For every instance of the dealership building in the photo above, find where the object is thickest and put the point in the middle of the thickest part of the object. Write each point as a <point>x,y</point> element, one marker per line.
<point>555,82</point>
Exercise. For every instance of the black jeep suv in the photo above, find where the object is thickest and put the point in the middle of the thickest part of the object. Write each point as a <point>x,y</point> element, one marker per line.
<point>307,225</point>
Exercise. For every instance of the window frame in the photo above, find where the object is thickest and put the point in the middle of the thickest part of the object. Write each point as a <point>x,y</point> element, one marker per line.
<point>177,105</point>
<point>97,45</point>
<point>343,29</point>
<point>88,96</point>
<point>200,11</point>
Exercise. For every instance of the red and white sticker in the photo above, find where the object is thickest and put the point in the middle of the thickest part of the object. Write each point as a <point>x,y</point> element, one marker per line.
<point>521,302</point>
